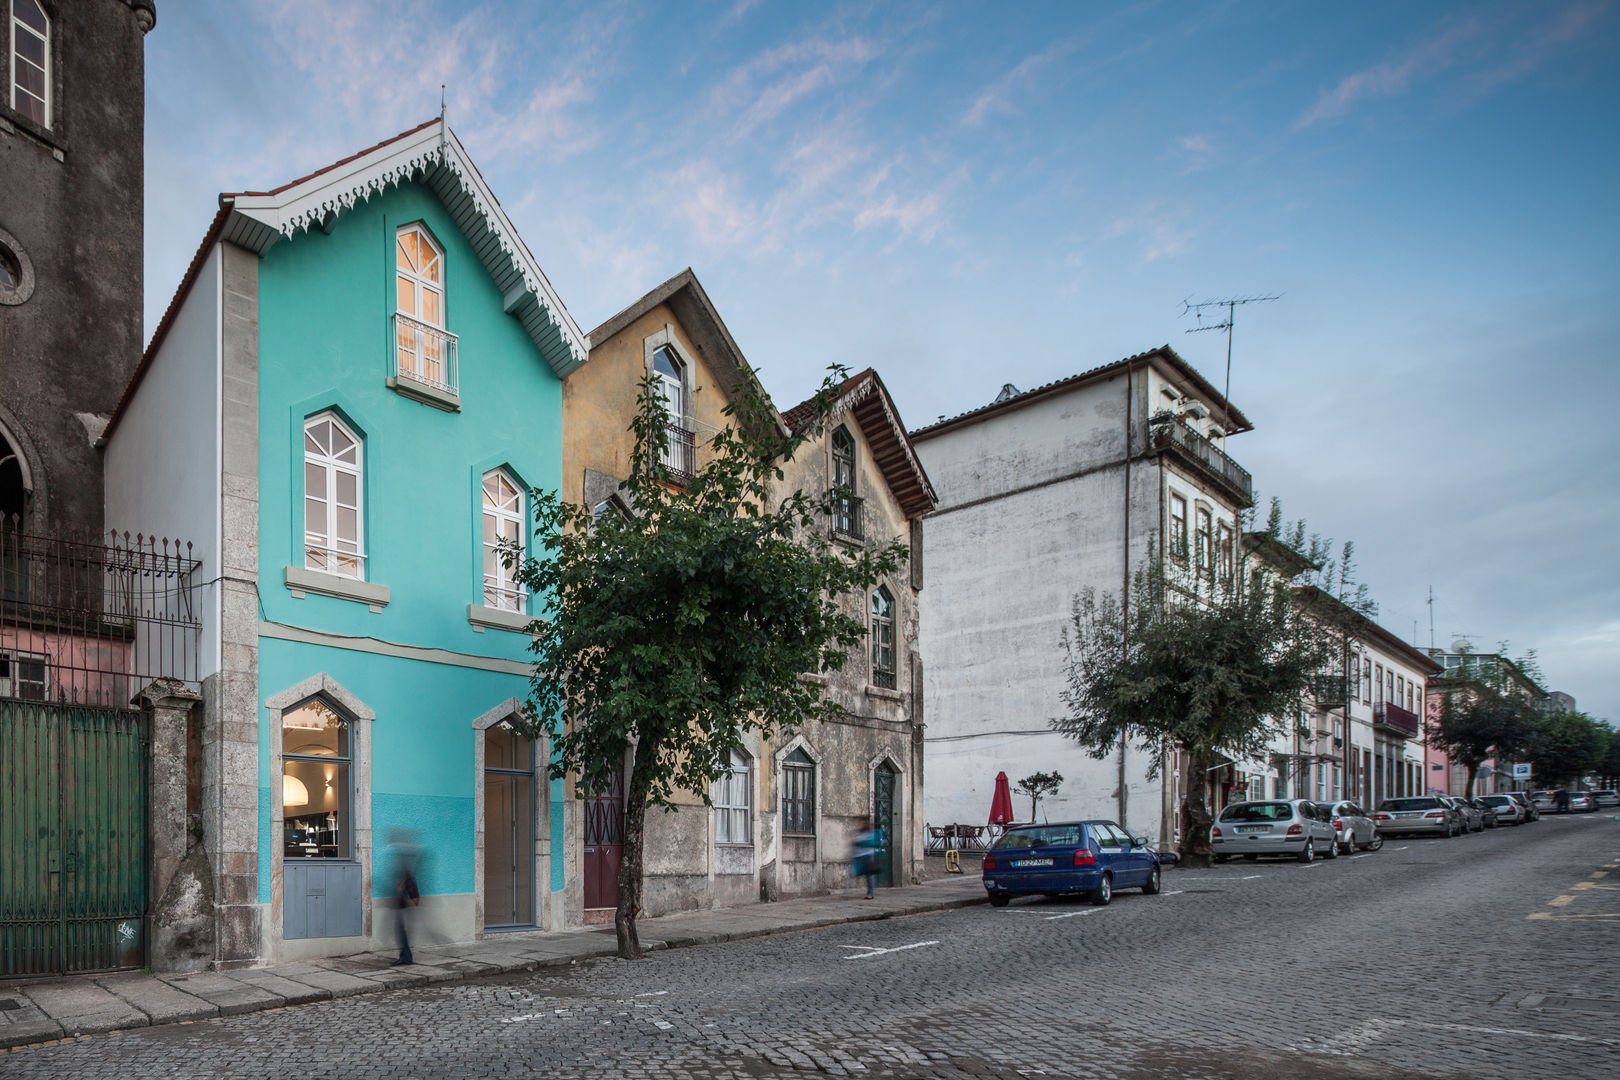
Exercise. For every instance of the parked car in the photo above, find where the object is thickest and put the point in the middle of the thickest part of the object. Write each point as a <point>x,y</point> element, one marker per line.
<point>1351,825</point>
<point>1468,818</point>
<point>1487,812</point>
<point>1582,802</point>
<point>1508,810</point>
<point>1274,827</point>
<point>1606,798</point>
<point>1091,857</point>
<point>1418,815</point>
<point>1524,800</point>
<point>1545,801</point>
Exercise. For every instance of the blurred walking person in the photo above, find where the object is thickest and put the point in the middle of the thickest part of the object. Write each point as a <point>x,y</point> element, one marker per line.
<point>866,844</point>
<point>406,895</point>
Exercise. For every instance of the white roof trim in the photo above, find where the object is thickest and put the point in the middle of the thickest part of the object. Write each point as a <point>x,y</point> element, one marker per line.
<point>436,156</point>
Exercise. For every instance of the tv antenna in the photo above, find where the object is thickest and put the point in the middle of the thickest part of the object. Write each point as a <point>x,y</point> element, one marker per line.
<point>1231,304</point>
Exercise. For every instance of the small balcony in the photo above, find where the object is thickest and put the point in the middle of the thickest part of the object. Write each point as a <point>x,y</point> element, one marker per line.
<point>1329,691</point>
<point>1391,719</point>
<point>679,453</point>
<point>1177,438</point>
<point>847,517</point>
<point>424,364</point>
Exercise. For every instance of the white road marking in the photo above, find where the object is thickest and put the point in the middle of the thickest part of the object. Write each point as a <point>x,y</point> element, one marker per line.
<point>1310,866</point>
<point>1512,1031</point>
<point>1252,877</point>
<point>525,1016</point>
<point>1072,914</point>
<point>1173,892</point>
<point>653,993</point>
<point>874,951</point>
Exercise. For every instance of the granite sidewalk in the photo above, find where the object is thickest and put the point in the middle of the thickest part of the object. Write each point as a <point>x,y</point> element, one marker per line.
<point>34,1011</point>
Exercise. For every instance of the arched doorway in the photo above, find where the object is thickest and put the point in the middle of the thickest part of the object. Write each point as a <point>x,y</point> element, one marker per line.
<point>509,816</point>
<point>604,844</point>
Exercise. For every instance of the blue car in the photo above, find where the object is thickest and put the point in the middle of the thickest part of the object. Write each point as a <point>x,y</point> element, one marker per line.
<point>1091,857</point>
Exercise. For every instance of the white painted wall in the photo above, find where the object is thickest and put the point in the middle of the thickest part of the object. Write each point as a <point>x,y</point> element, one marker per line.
<point>162,463</point>
<point>1031,512</point>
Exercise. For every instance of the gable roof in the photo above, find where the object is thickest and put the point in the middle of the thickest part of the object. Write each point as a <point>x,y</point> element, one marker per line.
<point>257,220</point>
<point>1234,421</point>
<point>1337,611</point>
<point>864,397</point>
<point>433,154</point>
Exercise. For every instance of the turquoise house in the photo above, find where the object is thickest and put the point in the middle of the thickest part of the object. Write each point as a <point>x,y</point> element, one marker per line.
<point>354,388</point>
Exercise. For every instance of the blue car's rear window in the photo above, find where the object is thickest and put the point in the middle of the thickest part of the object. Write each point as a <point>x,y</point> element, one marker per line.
<point>1042,836</point>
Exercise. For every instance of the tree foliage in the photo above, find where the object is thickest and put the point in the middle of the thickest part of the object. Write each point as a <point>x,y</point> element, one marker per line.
<point>1480,718</point>
<point>668,633</point>
<point>1038,786</point>
<point>1214,670</point>
<point>1566,746</point>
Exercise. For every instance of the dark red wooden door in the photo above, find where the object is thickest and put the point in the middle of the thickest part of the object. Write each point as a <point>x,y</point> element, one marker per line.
<point>604,844</point>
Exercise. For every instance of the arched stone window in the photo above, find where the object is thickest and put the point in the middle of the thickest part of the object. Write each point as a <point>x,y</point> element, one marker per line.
<point>334,526</point>
<point>504,520</point>
<point>883,671</point>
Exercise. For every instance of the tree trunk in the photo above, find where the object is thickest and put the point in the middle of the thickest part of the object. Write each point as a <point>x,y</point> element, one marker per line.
<point>1195,849</point>
<point>635,816</point>
<point>1473,771</point>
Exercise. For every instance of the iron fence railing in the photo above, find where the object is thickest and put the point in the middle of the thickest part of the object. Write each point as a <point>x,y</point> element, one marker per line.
<point>847,516</point>
<point>91,619</point>
<point>1194,447</point>
<point>679,453</point>
<point>425,354</point>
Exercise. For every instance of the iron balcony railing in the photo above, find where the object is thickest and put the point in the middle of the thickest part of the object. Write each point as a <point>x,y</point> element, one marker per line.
<point>679,454</point>
<point>848,516</point>
<point>425,354</point>
<point>90,619</point>
<point>1396,720</point>
<point>1193,447</point>
<point>1329,691</point>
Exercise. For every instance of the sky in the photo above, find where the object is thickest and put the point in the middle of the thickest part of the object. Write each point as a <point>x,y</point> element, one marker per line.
<point>966,195</point>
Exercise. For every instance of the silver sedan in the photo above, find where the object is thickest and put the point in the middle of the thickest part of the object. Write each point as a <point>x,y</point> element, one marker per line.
<point>1352,826</point>
<point>1419,815</point>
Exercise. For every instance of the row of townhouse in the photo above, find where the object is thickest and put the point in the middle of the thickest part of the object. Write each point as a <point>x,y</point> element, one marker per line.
<point>211,747</point>
<point>1074,485</point>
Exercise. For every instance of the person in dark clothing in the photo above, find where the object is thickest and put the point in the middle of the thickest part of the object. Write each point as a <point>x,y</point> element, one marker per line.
<point>406,895</point>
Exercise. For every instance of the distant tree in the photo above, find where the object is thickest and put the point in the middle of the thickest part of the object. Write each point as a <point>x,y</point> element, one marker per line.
<point>1038,786</point>
<point>669,633</point>
<point>1611,760</point>
<point>1208,669</point>
<point>1480,719</point>
<point>1567,746</point>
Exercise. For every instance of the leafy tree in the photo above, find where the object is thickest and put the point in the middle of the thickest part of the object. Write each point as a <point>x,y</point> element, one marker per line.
<point>1480,718</point>
<point>1038,786</point>
<point>670,632</point>
<point>1566,746</point>
<point>1206,671</point>
<point>1611,760</point>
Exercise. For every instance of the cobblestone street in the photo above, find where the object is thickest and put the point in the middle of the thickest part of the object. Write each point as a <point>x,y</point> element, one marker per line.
<point>1273,969</point>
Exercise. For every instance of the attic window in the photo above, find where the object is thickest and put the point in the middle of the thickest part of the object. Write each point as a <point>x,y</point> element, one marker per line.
<point>424,352</point>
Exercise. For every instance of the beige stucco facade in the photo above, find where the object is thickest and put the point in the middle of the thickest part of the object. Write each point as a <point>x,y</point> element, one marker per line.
<point>685,864</point>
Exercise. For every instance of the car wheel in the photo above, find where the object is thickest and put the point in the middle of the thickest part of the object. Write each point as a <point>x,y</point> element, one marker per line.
<point>1332,851</point>
<point>1223,858</point>
<point>1150,887</point>
<point>1104,891</point>
<point>1376,842</point>
<point>1308,852</point>
<point>999,899</point>
<point>1251,858</point>
<point>1450,832</point>
<point>1349,844</point>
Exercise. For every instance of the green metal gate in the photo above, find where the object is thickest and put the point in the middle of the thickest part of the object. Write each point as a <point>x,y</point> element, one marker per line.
<point>72,838</point>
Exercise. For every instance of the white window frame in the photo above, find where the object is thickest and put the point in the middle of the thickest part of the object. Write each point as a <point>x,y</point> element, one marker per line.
<point>501,590</point>
<point>1178,502</point>
<point>329,558</point>
<point>423,349</point>
<point>11,684</point>
<point>1204,541</point>
<point>733,800</point>
<point>16,24</point>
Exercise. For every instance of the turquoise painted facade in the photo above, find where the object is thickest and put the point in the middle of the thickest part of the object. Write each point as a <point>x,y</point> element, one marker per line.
<point>325,302</point>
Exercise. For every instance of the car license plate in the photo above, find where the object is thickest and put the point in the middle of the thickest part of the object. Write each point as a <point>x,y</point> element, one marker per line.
<point>1412,814</point>
<point>1032,862</point>
<point>1254,828</point>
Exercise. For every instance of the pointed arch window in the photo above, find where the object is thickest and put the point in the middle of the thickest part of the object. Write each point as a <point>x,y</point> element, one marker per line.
<point>31,61</point>
<point>315,782</point>
<point>846,505</point>
<point>799,794</point>
<point>504,517</point>
<point>883,671</point>
<point>334,527</point>
<point>423,350</point>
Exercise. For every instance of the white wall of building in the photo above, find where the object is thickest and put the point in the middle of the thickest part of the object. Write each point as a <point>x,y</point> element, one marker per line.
<point>162,463</point>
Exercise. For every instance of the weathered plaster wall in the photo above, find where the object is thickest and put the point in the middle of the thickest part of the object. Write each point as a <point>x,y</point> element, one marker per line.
<point>1032,511</point>
<point>72,199</point>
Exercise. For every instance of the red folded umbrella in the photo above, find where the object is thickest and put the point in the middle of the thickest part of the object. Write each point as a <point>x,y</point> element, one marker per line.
<point>1001,812</point>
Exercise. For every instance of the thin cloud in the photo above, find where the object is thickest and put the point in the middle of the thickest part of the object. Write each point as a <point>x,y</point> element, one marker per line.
<point>1564,29</point>
<point>1391,78</point>
<point>998,97</point>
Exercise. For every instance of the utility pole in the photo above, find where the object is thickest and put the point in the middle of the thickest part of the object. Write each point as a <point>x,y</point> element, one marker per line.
<point>1231,304</point>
